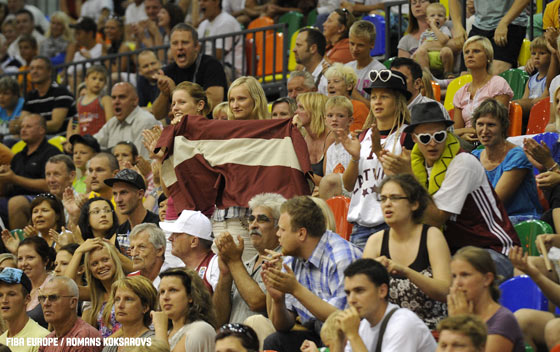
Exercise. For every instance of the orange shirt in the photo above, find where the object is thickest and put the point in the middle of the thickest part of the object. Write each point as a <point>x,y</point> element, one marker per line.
<point>361,112</point>
<point>340,52</point>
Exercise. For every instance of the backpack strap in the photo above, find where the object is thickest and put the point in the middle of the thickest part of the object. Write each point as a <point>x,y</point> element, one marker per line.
<point>382,329</point>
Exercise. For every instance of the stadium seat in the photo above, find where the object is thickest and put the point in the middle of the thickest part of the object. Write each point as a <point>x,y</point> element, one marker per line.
<point>521,292</point>
<point>339,206</point>
<point>524,53</point>
<point>515,119</point>
<point>260,50</point>
<point>294,20</point>
<point>379,23</point>
<point>57,141</point>
<point>539,117</point>
<point>517,80</point>
<point>312,17</point>
<point>437,91</point>
<point>259,23</point>
<point>528,232</point>
<point>292,58</point>
<point>388,62</point>
<point>453,87</point>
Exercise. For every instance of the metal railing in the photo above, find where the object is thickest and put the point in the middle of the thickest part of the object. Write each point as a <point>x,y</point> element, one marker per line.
<point>252,46</point>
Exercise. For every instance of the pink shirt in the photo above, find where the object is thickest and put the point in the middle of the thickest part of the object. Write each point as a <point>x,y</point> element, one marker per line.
<point>80,330</point>
<point>494,87</point>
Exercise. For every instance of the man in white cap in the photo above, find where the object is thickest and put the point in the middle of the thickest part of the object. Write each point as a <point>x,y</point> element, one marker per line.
<point>191,239</point>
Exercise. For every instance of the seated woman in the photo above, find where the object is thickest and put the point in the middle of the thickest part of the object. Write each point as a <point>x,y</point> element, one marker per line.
<point>507,167</point>
<point>11,105</point>
<point>237,337</point>
<point>341,80</point>
<point>36,258</point>
<point>103,267</point>
<point>335,30</point>
<point>57,38</point>
<point>475,291</point>
<point>114,32</point>
<point>186,303</point>
<point>98,220</point>
<point>168,16</point>
<point>283,108</point>
<point>478,55</point>
<point>133,299</point>
<point>247,100</point>
<point>416,255</point>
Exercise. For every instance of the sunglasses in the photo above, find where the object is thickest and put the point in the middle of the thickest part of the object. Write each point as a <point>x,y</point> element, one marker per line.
<point>261,218</point>
<point>237,328</point>
<point>46,195</point>
<point>426,138</point>
<point>51,298</point>
<point>384,76</point>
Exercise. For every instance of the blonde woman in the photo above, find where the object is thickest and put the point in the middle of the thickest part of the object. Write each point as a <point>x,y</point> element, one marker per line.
<point>381,143</point>
<point>247,100</point>
<point>341,80</point>
<point>103,267</point>
<point>311,114</point>
<point>57,38</point>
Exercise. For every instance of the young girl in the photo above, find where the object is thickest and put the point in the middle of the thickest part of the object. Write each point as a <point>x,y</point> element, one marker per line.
<point>339,111</point>
<point>94,108</point>
<point>188,99</point>
<point>220,111</point>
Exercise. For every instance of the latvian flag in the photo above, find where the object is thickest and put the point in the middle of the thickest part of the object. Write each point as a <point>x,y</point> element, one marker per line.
<point>226,163</point>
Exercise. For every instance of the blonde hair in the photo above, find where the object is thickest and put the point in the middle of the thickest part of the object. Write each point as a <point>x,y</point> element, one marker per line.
<point>363,29</point>
<point>538,43</point>
<point>343,71</point>
<point>327,213</point>
<point>67,34</point>
<point>314,103</point>
<point>260,108</point>
<point>96,288</point>
<point>436,6</point>
<point>427,90</point>
<point>197,93</point>
<point>402,114</point>
<point>222,107</point>
<point>340,101</point>
<point>486,45</point>
<point>142,287</point>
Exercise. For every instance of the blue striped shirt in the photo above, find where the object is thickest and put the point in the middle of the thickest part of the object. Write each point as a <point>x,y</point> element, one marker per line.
<point>323,273</point>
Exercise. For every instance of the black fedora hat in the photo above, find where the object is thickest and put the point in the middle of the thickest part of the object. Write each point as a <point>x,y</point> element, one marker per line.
<point>426,113</point>
<point>388,79</point>
<point>86,139</point>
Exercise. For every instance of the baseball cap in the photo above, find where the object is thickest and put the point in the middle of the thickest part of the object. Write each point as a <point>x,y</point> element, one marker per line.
<point>15,276</point>
<point>191,222</point>
<point>86,139</point>
<point>127,176</point>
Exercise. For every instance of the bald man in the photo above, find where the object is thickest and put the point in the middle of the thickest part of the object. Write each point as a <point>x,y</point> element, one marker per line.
<point>129,120</point>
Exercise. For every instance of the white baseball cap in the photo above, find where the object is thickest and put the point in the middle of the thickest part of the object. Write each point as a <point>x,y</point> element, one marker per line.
<point>191,222</point>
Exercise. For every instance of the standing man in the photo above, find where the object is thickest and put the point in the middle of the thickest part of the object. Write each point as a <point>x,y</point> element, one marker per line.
<point>15,287</point>
<point>309,51</point>
<point>189,65</point>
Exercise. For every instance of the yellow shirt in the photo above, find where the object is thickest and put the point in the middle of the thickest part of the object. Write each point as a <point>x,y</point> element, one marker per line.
<point>31,329</point>
<point>550,16</point>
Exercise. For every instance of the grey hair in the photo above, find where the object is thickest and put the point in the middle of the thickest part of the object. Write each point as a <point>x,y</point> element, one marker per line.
<point>157,237</point>
<point>308,80</point>
<point>272,201</point>
<point>69,283</point>
<point>6,256</point>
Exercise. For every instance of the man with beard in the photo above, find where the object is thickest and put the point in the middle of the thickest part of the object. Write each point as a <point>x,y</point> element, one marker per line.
<point>240,292</point>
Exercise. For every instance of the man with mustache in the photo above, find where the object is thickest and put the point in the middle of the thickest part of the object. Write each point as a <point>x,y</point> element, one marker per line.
<point>240,292</point>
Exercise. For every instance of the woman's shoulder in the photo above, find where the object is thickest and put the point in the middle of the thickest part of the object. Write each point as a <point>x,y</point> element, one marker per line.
<point>516,157</point>
<point>502,320</point>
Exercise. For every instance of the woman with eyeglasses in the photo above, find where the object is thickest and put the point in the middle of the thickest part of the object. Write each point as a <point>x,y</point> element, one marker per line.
<point>417,24</point>
<point>474,290</point>
<point>415,254</point>
<point>103,267</point>
<point>237,337</point>
<point>507,166</point>
<point>478,54</point>
<point>185,301</point>
<point>335,30</point>
<point>98,220</point>
<point>36,258</point>
<point>382,139</point>
<point>133,299</point>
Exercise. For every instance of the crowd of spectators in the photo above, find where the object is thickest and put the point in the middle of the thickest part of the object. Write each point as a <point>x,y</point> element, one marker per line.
<point>169,204</point>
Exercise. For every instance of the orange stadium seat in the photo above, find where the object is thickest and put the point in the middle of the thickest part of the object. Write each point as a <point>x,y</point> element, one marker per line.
<point>339,206</point>
<point>539,117</point>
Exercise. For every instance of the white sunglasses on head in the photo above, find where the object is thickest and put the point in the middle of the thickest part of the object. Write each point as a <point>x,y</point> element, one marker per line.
<point>384,76</point>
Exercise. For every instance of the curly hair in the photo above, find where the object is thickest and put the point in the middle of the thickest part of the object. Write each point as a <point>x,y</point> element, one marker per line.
<point>201,307</point>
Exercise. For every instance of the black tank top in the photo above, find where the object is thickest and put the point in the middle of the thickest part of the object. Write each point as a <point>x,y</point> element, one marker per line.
<point>422,260</point>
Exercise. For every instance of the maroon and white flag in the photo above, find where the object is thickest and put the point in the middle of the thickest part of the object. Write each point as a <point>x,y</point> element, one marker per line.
<point>226,163</point>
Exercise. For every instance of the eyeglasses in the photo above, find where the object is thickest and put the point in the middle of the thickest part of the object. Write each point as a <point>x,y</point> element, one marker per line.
<point>392,198</point>
<point>384,76</point>
<point>426,138</point>
<point>46,195</point>
<point>104,211</point>
<point>51,298</point>
<point>415,2</point>
<point>11,275</point>
<point>261,218</point>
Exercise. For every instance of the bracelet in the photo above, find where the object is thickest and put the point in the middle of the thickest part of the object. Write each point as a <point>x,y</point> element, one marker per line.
<point>554,167</point>
<point>358,160</point>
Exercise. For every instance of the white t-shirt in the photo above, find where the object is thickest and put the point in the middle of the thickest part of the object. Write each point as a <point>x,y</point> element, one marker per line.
<point>13,49</point>
<point>94,52</point>
<point>231,6</point>
<point>135,14</point>
<point>405,332</point>
<point>363,75</point>
<point>553,86</point>
<point>93,8</point>
<point>337,154</point>
<point>322,86</point>
<point>224,23</point>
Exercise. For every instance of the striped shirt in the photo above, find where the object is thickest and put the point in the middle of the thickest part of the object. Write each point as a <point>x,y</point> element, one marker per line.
<point>56,97</point>
<point>323,273</point>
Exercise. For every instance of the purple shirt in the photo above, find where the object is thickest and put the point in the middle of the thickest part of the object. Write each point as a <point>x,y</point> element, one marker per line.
<point>503,323</point>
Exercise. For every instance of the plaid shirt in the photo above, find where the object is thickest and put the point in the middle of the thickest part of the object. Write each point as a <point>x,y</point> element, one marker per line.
<point>323,273</point>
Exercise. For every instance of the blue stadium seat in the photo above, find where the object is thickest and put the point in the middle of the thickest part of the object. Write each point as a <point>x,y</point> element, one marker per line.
<point>379,23</point>
<point>521,292</point>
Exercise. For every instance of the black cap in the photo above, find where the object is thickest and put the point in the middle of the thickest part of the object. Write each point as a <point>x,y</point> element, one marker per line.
<point>388,79</point>
<point>86,139</point>
<point>85,23</point>
<point>128,176</point>
<point>426,113</point>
